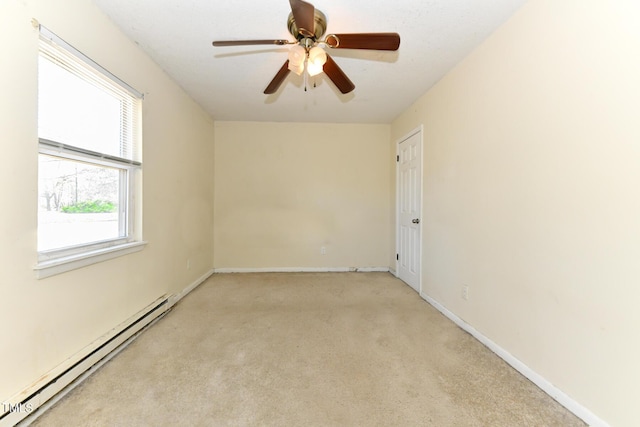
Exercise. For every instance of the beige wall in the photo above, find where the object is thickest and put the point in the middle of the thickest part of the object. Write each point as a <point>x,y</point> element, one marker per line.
<point>46,321</point>
<point>284,190</point>
<point>532,196</point>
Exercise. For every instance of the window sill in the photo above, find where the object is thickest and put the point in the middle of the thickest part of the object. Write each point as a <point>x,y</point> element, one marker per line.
<point>72,262</point>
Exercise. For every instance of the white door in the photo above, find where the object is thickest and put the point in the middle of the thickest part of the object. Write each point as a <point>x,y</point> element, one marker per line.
<point>409,190</point>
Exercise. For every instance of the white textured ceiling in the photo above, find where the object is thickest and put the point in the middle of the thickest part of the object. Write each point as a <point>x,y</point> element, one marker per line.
<point>228,82</point>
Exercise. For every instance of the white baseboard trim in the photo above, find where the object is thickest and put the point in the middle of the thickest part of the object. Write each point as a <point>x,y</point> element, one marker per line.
<point>173,299</point>
<point>302,270</point>
<point>372,269</point>
<point>580,411</point>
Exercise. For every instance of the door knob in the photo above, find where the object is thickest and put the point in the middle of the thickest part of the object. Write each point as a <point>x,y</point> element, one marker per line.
<point>416,221</point>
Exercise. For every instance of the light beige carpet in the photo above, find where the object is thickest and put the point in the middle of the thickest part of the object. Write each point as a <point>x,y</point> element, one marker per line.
<point>306,349</point>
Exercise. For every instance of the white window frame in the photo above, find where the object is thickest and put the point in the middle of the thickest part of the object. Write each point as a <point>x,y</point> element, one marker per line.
<point>55,261</point>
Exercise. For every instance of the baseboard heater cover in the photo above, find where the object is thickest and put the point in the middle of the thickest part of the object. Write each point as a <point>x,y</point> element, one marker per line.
<point>30,407</point>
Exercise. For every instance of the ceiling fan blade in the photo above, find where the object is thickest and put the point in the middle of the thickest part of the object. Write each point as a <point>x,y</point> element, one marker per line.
<point>222,43</point>
<point>304,15</point>
<point>282,74</point>
<point>373,41</point>
<point>337,76</point>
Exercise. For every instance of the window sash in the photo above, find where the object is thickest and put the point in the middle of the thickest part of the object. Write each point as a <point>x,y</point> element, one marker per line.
<point>126,203</point>
<point>60,53</point>
<point>59,147</point>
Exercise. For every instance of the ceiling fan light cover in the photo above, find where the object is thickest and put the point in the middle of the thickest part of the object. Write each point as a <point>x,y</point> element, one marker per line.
<point>296,68</point>
<point>317,59</point>
<point>317,56</point>
<point>313,69</point>
<point>297,55</point>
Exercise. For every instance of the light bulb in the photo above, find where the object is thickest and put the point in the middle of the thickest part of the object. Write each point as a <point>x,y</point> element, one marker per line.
<point>313,68</point>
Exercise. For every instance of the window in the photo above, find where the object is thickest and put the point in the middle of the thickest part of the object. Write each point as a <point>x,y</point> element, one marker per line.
<point>89,160</point>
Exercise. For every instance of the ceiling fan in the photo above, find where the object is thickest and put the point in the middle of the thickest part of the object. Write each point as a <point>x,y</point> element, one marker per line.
<point>308,25</point>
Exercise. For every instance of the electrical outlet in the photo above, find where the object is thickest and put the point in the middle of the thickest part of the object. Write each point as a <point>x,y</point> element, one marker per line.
<point>465,292</point>
<point>323,250</point>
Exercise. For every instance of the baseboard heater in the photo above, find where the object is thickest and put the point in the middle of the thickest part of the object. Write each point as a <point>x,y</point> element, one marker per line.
<point>28,405</point>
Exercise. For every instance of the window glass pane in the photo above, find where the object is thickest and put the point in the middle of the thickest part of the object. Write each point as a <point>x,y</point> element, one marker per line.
<point>78,202</point>
<point>76,112</point>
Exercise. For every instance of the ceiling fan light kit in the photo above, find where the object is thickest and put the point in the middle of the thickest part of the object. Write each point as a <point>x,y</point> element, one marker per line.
<point>297,58</point>
<point>307,25</point>
<point>314,60</point>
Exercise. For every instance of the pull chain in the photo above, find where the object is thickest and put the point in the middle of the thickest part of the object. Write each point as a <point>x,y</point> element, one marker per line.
<point>305,81</point>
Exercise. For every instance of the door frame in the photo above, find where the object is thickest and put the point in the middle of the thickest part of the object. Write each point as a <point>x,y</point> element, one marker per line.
<point>417,130</point>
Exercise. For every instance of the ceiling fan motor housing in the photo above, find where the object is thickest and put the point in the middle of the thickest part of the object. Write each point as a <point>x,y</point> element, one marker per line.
<point>304,33</point>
